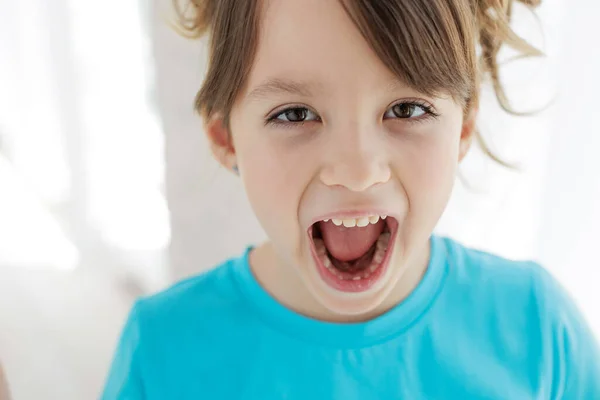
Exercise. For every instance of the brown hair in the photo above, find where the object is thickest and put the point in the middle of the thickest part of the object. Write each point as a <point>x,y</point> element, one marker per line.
<point>431,48</point>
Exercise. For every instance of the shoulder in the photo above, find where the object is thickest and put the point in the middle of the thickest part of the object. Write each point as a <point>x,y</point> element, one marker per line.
<point>501,280</point>
<point>528,312</point>
<point>471,263</point>
<point>200,299</point>
<point>165,331</point>
<point>494,297</point>
<point>479,272</point>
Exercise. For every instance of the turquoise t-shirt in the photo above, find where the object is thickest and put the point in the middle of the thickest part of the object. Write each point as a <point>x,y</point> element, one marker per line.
<point>476,327</point>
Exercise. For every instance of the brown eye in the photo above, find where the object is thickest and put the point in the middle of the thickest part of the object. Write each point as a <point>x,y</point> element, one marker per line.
<point>295,115</point>
<point>405,111</point>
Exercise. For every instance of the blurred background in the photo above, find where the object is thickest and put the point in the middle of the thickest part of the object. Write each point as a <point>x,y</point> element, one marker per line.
<point>108,190</point>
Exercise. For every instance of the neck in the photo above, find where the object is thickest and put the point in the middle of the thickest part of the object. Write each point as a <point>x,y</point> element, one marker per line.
<point>286,286</point>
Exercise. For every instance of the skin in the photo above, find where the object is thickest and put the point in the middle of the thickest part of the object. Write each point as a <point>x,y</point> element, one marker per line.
<point>352,154</point>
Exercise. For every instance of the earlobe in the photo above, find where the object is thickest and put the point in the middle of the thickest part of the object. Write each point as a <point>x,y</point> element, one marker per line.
<point>469,130</point>
<point>220,142</point>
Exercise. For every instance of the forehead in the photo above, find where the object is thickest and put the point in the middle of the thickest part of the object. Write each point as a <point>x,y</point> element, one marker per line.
<point>313,41</point>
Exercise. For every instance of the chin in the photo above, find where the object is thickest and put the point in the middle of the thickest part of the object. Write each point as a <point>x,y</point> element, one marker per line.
<point>350,307</point>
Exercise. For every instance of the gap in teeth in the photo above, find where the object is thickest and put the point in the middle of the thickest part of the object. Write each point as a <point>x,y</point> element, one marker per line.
<point>360,222</point>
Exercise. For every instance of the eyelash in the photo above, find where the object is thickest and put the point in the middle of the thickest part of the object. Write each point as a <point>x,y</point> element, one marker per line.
<point>273,118</point>
<point>426,107</point>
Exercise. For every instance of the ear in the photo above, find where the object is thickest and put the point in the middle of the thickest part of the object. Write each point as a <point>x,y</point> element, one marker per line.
<point>221,142</point>
<point>467,133</point>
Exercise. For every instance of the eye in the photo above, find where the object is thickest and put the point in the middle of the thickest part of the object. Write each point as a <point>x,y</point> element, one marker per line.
<point>408,110</point>
<point>294,115</point>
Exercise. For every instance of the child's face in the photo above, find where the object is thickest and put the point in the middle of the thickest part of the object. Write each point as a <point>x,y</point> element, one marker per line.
<point>349,153</point>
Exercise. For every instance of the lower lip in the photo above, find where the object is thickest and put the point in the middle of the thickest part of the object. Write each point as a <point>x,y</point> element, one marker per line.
<point>352,286</point>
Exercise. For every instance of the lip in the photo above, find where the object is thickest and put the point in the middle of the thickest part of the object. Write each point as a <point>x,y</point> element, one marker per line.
<point>362,285</point>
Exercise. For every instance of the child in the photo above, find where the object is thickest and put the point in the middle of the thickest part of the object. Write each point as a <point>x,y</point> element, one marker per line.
<point>346,121</point>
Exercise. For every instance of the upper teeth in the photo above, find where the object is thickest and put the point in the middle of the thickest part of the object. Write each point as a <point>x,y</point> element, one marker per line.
<point>360,222</point>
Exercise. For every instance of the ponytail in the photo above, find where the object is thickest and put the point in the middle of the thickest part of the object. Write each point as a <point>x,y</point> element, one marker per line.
<point>493,19</point>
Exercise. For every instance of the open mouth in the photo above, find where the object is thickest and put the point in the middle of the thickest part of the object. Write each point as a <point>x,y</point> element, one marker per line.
<point>351,255</point>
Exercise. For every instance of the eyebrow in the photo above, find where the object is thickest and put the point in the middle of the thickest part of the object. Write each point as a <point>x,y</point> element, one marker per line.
<point>275,86</point>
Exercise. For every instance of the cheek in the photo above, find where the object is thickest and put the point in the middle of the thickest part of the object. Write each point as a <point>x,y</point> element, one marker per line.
<point>274,178</point>
<point>427,168</point>
<point>264,171</point>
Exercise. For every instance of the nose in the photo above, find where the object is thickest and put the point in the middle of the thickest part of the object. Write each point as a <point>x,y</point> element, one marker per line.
<point>356,161</point>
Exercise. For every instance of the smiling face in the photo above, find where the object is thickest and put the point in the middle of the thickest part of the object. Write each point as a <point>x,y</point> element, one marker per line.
<point>324,131</point>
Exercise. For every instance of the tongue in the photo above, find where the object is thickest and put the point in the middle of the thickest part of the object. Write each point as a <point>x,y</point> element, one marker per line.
<point>347,244</point>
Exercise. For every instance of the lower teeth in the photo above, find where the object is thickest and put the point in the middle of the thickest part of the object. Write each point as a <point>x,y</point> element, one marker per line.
<point>382,244</point>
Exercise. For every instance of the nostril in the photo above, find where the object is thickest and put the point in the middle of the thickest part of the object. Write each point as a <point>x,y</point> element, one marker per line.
<point>357,177</point>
